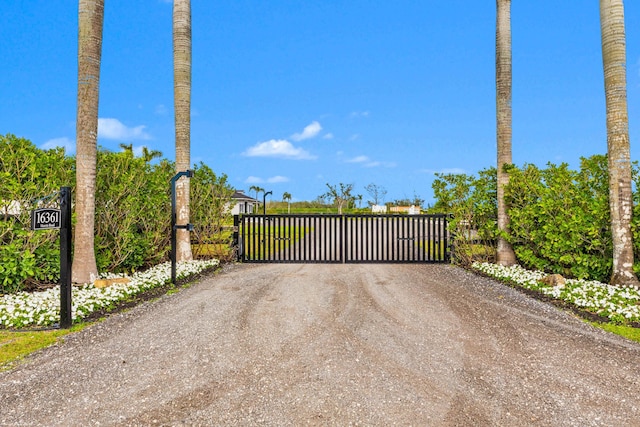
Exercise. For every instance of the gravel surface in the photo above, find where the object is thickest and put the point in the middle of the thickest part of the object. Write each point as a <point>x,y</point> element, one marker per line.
<point>422,345</point>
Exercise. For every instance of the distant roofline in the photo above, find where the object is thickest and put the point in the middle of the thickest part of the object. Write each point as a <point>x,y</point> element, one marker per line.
<point>239,195</point>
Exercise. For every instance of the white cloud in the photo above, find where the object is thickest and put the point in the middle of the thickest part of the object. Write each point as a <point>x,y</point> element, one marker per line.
<point>376,164</point>
<point>366,162</point>
<point>64,142</point>
<point>253,180</point>
<point>310,131</point>
<point>161,110</point>
<point>278,148</point>
<point>114,129</point>
<point>328,136</point>
<point>273,180</point>
<point>139,150</point>
<point>359,159</point>
<point>277,179</point>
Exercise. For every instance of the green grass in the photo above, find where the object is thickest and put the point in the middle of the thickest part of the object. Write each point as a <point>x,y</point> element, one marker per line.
<point>628,332</point>
<point>258,248</point>
<point>433,247</point>
<point>279,208</point>
<point>16,345</point>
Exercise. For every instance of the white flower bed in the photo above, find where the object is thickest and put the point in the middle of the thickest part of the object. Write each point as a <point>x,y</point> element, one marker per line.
<point>43,308</point>
<point>618,303</point>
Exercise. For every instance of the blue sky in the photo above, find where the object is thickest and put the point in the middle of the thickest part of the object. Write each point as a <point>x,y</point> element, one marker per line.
<point>291,95</point>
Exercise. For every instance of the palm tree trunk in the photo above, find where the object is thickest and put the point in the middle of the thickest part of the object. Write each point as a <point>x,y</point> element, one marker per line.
<point>182,106</point>
<point>620,196</point>
<point>505,253</point>
<point>90,19</point>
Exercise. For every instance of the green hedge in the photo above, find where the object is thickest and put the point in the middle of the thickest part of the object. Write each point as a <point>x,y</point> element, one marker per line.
<point>28,174</point>
<point>132,227</point>
<point>559,217</point>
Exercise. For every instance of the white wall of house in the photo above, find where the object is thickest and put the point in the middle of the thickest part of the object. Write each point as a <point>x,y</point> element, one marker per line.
<point>243,207</point>
<point>242,204</point>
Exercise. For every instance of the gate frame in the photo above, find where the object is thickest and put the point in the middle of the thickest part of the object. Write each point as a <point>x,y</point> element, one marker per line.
<point>345,239</point>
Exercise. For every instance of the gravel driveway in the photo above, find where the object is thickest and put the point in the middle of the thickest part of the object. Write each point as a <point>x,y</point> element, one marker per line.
<point>422,345</point>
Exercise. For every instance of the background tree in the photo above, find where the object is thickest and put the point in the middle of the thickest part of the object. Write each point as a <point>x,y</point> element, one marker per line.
<point>182,106</point>
<point>417,200</point>
<point>286,197</point>
<point>90,21</point>
<point>615,84</point>
<point>377,193</point>
<point>341,196</point>
<point>149,155</point>
<point>505,253</point>
<point>257,189</point>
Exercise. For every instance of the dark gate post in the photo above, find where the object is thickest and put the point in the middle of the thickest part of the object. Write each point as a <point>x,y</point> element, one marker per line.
<point>65,257</point>
<point>265,242</point>
<point>236,237</point>
<point>450,236</point>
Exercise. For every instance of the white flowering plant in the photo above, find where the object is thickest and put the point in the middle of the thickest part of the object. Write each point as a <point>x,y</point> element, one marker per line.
<point>32,309</point>
<point>619,304</point>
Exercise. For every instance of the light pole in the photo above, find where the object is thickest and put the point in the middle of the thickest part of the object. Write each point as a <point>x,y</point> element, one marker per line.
<point>264,202</point>
<point>264,221</point>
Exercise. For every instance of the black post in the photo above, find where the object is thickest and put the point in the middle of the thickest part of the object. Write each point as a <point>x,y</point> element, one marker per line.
<point>235,244</point>
<point>265,242</point>
<point>450,236</point>
<point>173,229</point>
<point>264,202</point>
<point>65,257</point>
<point>188,173</point>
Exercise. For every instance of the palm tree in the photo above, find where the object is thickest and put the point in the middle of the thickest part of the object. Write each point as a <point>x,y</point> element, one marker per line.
<point>615,84</point>
<point>90,20</point>
<point>286,197</point>
<point>505,253</point>
<point>149,155</point>
<point>257,190</point>
<point>182,106</point>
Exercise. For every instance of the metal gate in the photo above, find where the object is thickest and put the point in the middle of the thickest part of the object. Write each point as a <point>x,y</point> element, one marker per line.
<point>342,238</point>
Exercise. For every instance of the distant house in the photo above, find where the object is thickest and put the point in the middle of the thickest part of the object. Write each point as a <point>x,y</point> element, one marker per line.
<point>243,204</point>
<point>10,208</point>
<point>411,210</point>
